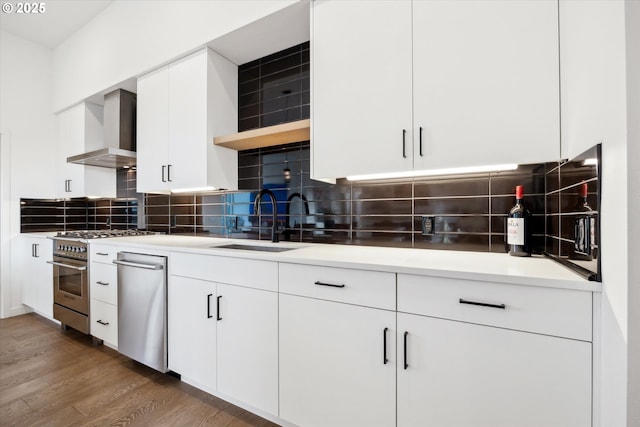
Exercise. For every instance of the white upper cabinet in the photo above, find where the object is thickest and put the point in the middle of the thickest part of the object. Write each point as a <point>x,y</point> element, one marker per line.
<point>181,107</point>
<point>80,129</point>
<point>445,84</point>
<point>361,86</point>
<point>152,135</point>
<point>485,82</point>
<point>592,74</point>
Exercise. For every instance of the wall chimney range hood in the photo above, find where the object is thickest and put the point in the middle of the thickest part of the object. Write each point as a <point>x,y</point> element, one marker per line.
<point>119,134</point>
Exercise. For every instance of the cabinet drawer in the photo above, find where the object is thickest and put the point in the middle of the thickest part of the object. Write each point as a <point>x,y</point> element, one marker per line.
<point>104,321</point>
<point>558,312</point>
<point>234,271</point>
<point>103,282</point>
<point>102,253</point>
<point>368,288</point>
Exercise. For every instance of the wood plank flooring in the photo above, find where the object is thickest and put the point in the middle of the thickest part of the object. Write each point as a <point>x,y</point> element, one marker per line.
<point>53,378</point>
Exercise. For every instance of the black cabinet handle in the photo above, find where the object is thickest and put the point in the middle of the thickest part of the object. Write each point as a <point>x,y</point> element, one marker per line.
<point>333,285</point>
<point>406,363</point>
<point>218,308</point>
<point>169,173</point>
<point>34,250</point>
<point>102,323</point>
<point>69,185</point>
<point>483,304</point>
<point>164,168</point>
<point>420,139</point>
<point>209,316</point>
<point>384,345</point>
<point>404,143</point>
<point>102,283</point>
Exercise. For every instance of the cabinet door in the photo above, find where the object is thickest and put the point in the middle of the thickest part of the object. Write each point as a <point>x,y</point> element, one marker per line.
<point>332,370</point>
<point>153,131</point>
<point>361,87</point>
<point>71,139</point>
<point>248,346</point>
<point>35,275</point>
<point>461,374</point>
<point>43,275</point>
<point>24,250</point>
<point>486,86</point>
<point>188,122</point>
<point>191,332</point>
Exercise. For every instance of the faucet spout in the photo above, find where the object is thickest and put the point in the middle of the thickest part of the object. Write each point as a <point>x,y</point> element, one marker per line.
<point>274,209</point>
<point>303,198</point>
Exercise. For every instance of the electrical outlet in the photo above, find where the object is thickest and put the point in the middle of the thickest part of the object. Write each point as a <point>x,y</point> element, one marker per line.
<point>428,225</point>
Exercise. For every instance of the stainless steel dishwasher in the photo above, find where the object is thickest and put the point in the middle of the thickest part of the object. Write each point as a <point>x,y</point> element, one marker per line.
<point>142,308</point>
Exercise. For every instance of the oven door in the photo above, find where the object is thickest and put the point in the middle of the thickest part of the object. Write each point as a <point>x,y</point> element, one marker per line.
<point>70,284</point>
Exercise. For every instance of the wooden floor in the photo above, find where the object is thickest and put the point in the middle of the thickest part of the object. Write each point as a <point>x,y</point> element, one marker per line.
<point>54,378</point>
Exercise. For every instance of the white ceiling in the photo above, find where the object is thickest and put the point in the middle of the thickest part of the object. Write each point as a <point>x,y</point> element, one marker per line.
<point>60,20</point>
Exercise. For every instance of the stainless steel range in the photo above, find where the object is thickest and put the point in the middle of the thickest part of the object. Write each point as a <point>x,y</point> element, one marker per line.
<point>71,274</point>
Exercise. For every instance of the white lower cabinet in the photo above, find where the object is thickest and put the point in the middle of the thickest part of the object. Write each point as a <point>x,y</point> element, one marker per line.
<point>465,375</point>
<point>482,354</point>
<point>311,345</point>
<point>248,346</point>
<point>33,272</point>
<point>223,338</point>
<point>104,322</point>
<point>191,319</point>
<point>103,291</point>
<point>332,364</point>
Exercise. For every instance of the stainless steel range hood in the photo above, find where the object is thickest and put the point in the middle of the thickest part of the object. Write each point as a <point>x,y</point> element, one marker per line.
<point>119,134</point>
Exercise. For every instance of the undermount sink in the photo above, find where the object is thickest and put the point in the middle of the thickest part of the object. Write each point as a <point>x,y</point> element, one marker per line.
<point>260,248</point>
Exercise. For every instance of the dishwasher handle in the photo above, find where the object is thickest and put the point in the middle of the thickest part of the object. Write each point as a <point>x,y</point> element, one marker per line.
<point>139,265</point>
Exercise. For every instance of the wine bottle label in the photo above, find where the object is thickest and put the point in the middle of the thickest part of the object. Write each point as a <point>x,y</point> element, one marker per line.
<point>515,231</point>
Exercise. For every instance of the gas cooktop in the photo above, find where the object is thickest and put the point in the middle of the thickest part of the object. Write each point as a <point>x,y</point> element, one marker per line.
<point>102,234</point>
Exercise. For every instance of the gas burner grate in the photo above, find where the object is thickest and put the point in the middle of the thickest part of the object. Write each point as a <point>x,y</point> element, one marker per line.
<point>102,234</point>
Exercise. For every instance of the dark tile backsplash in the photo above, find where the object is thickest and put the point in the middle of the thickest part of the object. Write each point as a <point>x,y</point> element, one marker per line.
<point>274,89</point>
<point>572,228</point>
<point>82,213</point>
<point>77,214</point>
<point>469,210</point>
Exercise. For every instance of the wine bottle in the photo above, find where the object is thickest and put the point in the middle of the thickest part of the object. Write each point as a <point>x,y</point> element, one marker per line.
<point>584,228</point>
<point>519,227</point>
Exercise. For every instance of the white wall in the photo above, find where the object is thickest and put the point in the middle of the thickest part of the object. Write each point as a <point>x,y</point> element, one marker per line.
<point>633,170</point>
<point>614,240</point>
<point>5,218</point>
<point>132,37</point>
<point>594,110</point>
<point>26,117</point>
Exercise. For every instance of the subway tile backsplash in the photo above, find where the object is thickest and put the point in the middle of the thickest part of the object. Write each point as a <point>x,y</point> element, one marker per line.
<point>38,215</point>
<point>469,210</point>
<point>82,213</point>
<point>274,89</point>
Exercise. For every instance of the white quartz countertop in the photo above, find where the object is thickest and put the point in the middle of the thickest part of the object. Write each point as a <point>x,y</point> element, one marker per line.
<point>479,266</point>
<point>42,234</point>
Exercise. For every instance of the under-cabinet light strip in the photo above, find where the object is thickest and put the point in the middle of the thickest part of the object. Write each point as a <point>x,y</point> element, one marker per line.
<point>432,172</point>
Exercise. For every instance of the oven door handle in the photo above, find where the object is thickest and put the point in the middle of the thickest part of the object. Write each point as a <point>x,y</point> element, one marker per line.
<point>73,267</point>
<point>139,265</point>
